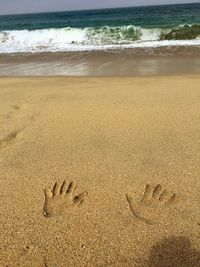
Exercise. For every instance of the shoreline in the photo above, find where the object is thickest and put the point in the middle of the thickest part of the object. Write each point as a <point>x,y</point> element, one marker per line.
<point>138,62</point>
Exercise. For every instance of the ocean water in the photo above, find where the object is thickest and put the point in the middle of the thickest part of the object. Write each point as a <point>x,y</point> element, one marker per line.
<point>137,27</point>
<point>156,40</point>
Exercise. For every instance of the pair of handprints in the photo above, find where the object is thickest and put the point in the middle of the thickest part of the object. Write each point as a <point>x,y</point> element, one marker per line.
<point>62,198</point>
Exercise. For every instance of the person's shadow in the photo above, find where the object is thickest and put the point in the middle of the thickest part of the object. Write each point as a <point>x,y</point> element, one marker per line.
<point>174,252</point>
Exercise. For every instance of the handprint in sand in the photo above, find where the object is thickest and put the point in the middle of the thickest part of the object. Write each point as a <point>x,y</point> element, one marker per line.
<point>60,199</point>
<point>153,204</point>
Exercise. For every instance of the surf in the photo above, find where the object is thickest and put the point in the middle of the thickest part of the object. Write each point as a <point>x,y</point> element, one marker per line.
<point>96,38</point>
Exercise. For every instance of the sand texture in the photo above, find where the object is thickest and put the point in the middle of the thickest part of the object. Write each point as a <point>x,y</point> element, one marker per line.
<point>100,171</point>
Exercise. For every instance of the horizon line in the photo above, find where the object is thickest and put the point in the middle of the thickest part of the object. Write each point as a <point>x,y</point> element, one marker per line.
<point>90,9</point>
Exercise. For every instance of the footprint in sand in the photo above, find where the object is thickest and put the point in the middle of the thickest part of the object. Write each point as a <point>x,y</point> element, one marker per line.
<point>13,112</point>
<point>154,202</point>
<point>61,199</point>
<point>8,139</point>
<point>16,107</point>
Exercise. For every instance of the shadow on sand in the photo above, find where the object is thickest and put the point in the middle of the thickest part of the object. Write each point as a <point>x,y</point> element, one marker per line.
<point>174,252</point>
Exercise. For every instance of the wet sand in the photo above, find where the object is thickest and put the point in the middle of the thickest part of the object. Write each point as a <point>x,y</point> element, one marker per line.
<point>119,62</point>
<point>114,137</point>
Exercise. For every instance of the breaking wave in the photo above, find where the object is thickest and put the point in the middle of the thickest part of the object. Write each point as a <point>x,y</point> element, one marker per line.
<point>77,39</point>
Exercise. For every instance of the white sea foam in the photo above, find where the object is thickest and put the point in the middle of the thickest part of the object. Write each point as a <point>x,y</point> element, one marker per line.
<point>74,39</point>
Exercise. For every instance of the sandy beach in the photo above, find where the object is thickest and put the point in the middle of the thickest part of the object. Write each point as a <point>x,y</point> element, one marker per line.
<point>113,137</point>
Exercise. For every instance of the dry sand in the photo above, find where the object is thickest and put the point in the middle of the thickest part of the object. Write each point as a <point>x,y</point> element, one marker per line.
<point>112,136</point>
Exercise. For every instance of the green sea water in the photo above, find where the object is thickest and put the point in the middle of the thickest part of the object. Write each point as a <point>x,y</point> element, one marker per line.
<point>151,26</point>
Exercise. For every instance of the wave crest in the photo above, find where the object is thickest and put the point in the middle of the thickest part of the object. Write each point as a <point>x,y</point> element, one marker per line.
<point>182,32</point>
<point>113,35</point>
<point>71,39</point>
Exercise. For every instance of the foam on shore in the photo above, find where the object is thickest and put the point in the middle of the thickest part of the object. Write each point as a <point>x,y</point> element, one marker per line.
<point>78,39</point>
